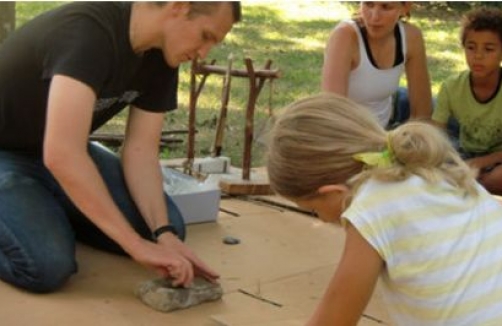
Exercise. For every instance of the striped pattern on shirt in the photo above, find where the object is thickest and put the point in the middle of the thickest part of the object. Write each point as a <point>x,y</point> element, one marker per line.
<point>442,250</point>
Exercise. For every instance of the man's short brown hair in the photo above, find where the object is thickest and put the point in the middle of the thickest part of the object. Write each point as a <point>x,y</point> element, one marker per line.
<point>208,7</point>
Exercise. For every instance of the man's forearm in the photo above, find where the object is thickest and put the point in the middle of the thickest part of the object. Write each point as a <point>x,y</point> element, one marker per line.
<point>145,183</point>
<point>81,180</point>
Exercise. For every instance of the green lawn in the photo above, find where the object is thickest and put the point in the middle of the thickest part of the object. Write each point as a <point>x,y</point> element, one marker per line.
<point>292,34</point>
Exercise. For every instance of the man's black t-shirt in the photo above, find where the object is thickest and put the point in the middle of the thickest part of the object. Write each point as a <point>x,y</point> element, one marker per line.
<point>88,42</point>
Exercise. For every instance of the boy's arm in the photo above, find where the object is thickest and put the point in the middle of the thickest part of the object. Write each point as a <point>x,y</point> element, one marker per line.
<point>351,287</point>
<point>442,110</point>
<point>486,163</point>
<point>440,125</point>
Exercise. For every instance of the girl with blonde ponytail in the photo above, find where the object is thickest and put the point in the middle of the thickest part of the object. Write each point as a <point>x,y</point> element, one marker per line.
<point>413,211</point>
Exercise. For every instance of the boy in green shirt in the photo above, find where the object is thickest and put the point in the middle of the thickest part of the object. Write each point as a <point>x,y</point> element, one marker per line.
<point>474,99</point>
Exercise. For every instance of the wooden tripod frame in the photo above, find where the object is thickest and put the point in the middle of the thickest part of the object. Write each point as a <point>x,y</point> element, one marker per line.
<point>257,79</point>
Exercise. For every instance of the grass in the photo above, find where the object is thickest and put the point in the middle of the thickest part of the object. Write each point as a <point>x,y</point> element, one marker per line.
<point>292,34</point>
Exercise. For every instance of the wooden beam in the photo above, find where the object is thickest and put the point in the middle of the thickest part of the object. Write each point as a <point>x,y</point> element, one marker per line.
<point>203,69</point>
<point>117,140</point>
<point>245,187</point>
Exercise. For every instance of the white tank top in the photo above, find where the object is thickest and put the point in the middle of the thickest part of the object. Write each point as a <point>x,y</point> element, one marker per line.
<point>373,87</point>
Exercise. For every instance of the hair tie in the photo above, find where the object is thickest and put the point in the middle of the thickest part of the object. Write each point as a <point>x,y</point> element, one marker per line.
<point>383,159</point>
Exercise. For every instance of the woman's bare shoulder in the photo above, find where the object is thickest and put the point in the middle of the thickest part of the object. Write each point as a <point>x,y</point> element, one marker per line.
<point>413,32</point>
<point>343,32</point>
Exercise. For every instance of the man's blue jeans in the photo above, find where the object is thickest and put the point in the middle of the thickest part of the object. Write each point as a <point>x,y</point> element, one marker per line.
<point>39,224</point>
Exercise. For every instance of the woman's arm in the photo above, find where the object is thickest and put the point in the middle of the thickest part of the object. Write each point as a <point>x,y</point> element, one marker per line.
<point>417,75</point>
<point>339,59</point>
<point>352,285</point>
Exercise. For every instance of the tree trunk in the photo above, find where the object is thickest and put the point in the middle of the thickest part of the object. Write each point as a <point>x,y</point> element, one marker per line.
<point>7,18</point>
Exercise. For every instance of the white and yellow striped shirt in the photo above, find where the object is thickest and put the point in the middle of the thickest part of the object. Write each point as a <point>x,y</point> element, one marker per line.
<point>442,250</point>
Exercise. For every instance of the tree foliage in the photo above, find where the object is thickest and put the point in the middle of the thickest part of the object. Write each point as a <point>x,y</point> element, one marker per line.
<point>7,18</point>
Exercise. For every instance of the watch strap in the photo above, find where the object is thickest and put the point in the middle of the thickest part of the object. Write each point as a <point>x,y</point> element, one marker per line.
<point>163,229</point>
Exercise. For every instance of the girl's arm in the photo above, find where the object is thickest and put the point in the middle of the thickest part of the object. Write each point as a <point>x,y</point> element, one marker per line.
<point>351,287</point>
<point>417,75</point>
<point>338,60</point>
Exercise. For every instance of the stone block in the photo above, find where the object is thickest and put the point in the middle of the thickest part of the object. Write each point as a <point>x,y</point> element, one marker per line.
<point>161,295</point>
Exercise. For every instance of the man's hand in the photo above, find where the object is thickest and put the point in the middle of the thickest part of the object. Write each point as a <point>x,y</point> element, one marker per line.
<point>171,242</point>
<point>171,258</point>
<point>165,261</point>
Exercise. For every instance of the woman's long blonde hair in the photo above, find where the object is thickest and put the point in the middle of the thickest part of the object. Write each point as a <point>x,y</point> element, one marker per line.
<point>314,140</point>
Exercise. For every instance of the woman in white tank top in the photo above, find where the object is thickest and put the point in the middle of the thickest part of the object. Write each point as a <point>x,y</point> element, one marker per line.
<point>365,58</point>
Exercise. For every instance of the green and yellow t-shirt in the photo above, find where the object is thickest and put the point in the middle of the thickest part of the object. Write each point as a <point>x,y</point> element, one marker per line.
<point>480,122</point>
<point>442,250</point>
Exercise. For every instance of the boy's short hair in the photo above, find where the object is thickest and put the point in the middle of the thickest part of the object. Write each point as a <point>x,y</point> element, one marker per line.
<point>482,19</point>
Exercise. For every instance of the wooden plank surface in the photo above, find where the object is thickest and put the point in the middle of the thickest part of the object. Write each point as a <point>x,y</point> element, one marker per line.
<point>285,257</point>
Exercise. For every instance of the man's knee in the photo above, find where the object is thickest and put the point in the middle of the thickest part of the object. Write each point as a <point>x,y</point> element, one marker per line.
<point>8,180</point>
<point>46,276</point>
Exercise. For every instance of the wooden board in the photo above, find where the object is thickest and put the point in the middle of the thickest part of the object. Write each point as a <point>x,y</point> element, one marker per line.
<point>245,187</point>
<point>285,257</point>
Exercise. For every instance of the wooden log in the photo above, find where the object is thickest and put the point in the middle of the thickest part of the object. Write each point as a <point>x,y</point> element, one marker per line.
<point>203,69</point>
<point>257,79</point>
<point>255,87</point>
<point>175,132</point>
<point>245,187</point>
<point>195,90</point>
<point>117,140</point>
<point>222,121</point>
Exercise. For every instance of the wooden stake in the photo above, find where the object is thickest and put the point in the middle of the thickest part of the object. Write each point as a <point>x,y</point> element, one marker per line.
<point>222,121</point>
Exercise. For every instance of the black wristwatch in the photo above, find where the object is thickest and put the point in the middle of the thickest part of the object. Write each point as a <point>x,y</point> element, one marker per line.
<point>163,229</point>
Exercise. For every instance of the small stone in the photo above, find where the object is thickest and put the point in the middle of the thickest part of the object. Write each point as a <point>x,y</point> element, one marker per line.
<point>161,295</point>
<point>231,240</point>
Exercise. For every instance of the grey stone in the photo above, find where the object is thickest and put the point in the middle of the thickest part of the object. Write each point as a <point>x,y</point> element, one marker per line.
<point>161,295</point>
<point>231,240</point>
